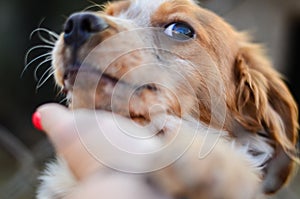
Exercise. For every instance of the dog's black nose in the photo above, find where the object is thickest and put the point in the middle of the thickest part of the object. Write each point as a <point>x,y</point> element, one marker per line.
<point>80,26</point>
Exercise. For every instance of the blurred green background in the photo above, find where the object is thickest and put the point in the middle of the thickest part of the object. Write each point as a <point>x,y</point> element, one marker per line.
<point>23,150</point>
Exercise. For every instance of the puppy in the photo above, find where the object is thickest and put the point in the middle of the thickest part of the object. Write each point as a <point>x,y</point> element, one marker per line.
<point>148,58</point>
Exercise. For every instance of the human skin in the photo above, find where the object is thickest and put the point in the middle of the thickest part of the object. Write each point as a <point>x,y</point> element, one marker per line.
<point>78,135</point>
<point>94,178</point>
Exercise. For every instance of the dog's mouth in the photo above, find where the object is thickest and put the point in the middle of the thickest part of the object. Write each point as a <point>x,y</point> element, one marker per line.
<point>89,87</point>
<point>71,74</point>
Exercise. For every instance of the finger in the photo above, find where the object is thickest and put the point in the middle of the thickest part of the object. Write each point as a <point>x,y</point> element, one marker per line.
<point>59,124</point>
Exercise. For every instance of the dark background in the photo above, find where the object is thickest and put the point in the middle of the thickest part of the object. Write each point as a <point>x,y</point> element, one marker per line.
<point>22,148</point>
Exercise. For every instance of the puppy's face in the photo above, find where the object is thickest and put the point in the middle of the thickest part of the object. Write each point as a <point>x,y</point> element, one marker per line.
<point>141,58</point>
<point>146,57</point>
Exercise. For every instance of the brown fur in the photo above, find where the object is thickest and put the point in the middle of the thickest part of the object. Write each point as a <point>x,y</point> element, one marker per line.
<point>256,97</point>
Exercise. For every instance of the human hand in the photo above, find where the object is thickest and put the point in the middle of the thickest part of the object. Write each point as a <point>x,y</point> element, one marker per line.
<point>68,130</point>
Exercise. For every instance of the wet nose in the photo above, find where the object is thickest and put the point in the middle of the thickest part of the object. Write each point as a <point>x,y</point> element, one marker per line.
<point>80,26</point>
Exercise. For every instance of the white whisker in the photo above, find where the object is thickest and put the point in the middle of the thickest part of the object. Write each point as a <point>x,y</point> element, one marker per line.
<point>53,36</point>
<point>94,5</point>
<point>43,80</point>
<point>51,33</point>
<point>63,100</point>
<point>35,59</point>
<point>34,48</point>
<point>48,38</point>
<point>38,66</point>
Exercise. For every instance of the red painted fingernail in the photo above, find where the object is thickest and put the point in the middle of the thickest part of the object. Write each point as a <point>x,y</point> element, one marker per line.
<point>36,121</point>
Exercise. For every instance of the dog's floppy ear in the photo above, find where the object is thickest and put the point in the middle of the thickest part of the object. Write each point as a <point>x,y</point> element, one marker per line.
<point>264,103</point>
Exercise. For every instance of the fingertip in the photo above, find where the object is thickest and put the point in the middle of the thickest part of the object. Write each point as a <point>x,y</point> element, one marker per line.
<point>47,116</point>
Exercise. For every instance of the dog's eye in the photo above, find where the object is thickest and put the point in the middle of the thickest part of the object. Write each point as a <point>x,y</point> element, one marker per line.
<point>180,31</point>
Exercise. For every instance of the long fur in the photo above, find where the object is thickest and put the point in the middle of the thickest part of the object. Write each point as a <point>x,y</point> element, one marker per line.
<point>222,69</point>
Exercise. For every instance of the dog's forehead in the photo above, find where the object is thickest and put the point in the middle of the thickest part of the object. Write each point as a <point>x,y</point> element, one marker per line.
<point>141,10</point>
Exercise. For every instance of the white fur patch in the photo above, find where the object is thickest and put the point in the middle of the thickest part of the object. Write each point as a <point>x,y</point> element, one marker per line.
<point>56,181</point>
<point>140,11</point>
<point>255,148</point>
